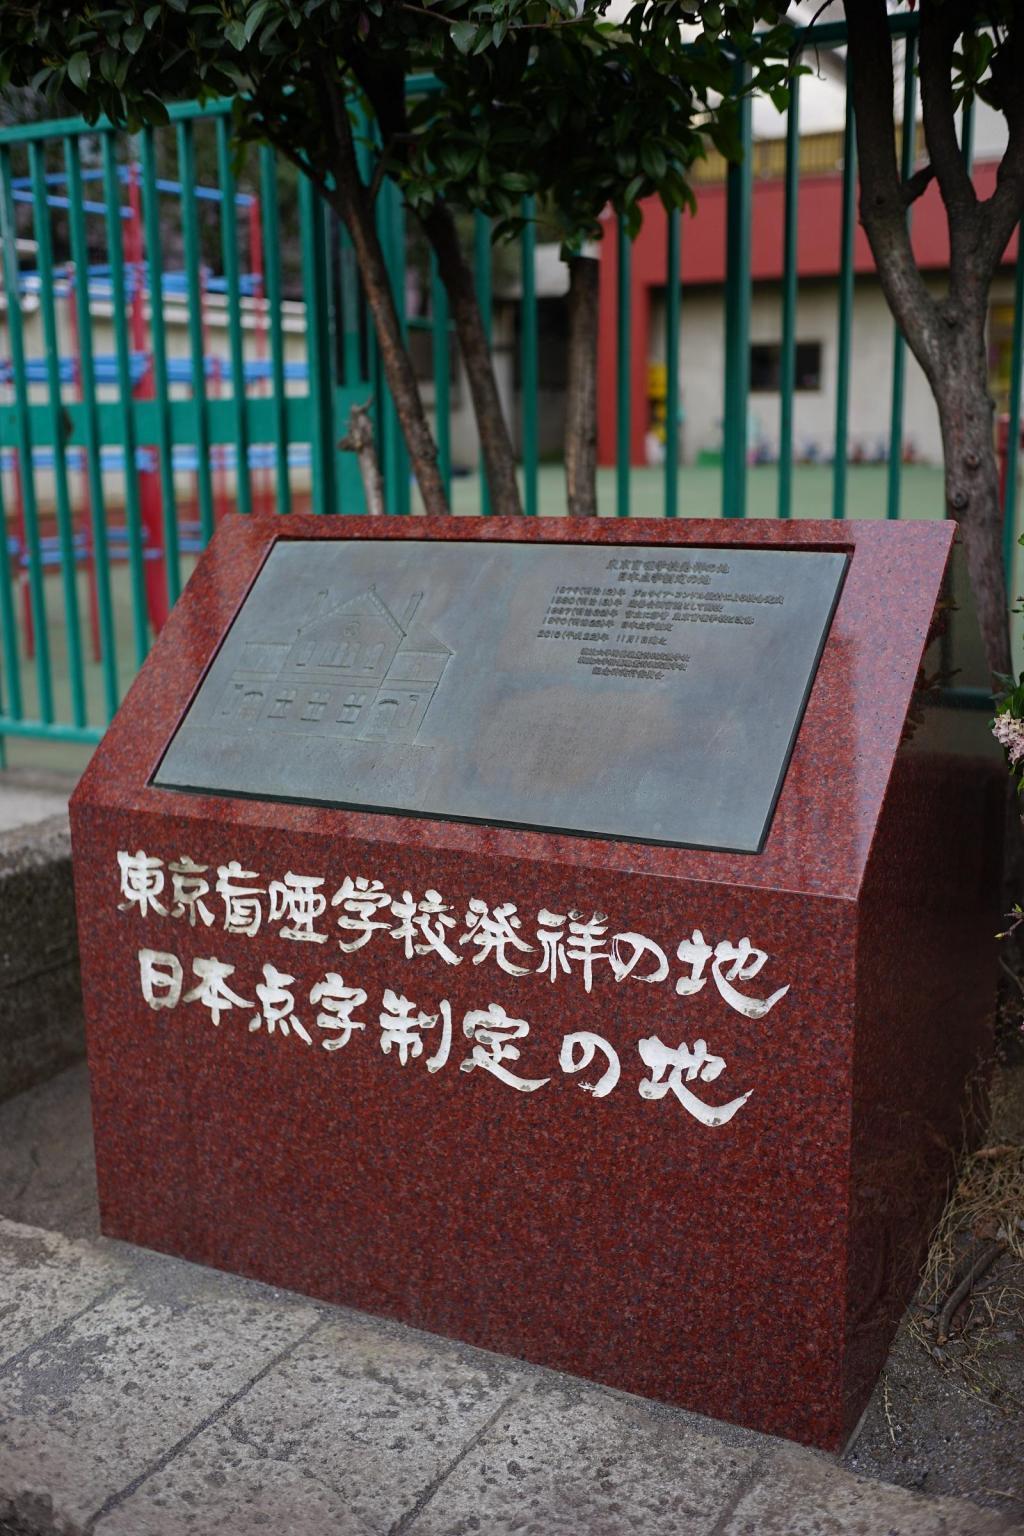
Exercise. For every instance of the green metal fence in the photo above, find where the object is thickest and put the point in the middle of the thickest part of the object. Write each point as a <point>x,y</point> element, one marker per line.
<point>125,432</point>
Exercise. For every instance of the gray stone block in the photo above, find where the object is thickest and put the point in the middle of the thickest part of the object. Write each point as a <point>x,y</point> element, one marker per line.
<point>40,992</point>
<point>47,1167</point>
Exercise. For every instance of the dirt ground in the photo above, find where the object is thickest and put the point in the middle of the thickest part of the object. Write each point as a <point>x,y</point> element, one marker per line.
<point>948,1414</point>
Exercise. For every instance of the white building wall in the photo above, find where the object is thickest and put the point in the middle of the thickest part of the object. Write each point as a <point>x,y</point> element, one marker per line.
<point>701,363</point>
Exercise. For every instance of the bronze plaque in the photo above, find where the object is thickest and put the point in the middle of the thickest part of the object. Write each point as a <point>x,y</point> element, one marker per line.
<point>636,692</point>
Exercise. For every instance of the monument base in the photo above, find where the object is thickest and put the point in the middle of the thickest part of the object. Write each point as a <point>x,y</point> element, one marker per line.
<point>674,1119</point>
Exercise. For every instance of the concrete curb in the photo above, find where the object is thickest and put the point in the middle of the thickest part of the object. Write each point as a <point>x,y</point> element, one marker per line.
<point>40,991</point>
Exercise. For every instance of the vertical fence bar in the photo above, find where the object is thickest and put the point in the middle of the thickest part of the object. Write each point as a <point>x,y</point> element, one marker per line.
<point>389,430</point>
<point>1013,425</point>
<point>125,411</point>
<point>196,343</point>
<point>967,132</point>
<point>10,672</point>
<point>845,308</point>
<point>482,283</point>
<point>158,335</point>
<point>899,346</point>
<point>54,403</point>
<point>623,369</point>
<point>272,260</point>
<point>528,358</point>
<point>396,249</point>
<point>673,281</point>
<point>441,352</point>
<point>351,496</point>
<point>93,440</point>
<point>739,206</point>
<point>348,285</point>
<point>787,378</point>
<point>311,226</point>
<point>229,250</point>
<point>23,429</point>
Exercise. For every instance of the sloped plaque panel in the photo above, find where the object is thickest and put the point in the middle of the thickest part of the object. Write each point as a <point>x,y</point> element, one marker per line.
<point>629,692</point>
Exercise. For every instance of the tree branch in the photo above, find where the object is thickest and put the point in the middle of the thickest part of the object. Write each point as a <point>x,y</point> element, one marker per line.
<point>1001,213</point>
<point>941,25</point>
<point>283,140</point>
<point>915,185</point>
<point>883,203</point>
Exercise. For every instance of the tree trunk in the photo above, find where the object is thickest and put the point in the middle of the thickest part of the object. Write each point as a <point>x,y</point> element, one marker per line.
<point>352,205</point>
<point>495,442</point>
<point>359,440</point>
<point>972,479</point>
<point>581,389</point>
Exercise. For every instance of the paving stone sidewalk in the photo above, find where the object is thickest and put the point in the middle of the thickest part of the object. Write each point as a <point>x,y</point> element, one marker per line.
<point>142,1396</point>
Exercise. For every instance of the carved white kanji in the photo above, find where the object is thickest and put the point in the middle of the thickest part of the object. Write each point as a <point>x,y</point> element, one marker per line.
<point>744,964</point>
<point>551,937</point>
<point>583,946</point>
<point>142,883</point>
<point>359,899</point>
<point>188,889</point>
<point>493,1031</point>
<point>696,954</point>
<point>493,934</point>
<point>212,989</point>
<point>160,976</point>
<point>300,900</point>
<point>243,909</point>
<point>659,1059</point>
<point>337,1004</point>
<point>277,1005</point>
<point>402,1024</point>
<point>421,926</point>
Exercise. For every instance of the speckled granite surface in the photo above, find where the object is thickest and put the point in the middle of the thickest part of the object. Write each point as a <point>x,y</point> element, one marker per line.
<point>751,1269</point>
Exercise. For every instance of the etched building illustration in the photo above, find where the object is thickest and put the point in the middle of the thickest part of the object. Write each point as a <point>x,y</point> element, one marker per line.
<point>351,671</point>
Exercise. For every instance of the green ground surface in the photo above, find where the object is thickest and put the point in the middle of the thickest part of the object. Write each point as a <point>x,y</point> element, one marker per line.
<point>699,496</point>
<point>700,491</point>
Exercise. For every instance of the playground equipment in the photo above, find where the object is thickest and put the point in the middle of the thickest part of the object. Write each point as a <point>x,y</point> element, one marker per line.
<point>60,284</point>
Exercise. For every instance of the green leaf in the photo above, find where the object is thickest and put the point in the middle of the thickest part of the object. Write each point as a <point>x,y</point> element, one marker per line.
<point>254,18</point>
<point>133,38</point>
<point>156,108</point>
<point>150,16</point>
<point>79,69</point>
<point>235,34</point>
<point>463,35</point>
<point>652,158</point>
<point>630,195</point>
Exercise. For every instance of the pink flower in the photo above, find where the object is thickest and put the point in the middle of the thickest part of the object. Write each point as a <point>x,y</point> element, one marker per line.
<point>1010,735</point>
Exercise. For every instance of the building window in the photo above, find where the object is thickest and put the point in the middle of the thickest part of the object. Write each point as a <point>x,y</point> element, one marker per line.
<point>766,366</point>
<point>316,704</point>
<point>351,708</point>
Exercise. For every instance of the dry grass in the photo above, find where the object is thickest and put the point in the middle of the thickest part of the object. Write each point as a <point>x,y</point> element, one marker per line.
<point>987,1207</point>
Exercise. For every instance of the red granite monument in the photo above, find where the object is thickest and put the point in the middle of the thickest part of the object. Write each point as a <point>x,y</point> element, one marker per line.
<point>576,939</point>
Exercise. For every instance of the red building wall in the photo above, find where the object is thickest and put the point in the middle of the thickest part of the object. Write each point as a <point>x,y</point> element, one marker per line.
<point>702,261</point>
